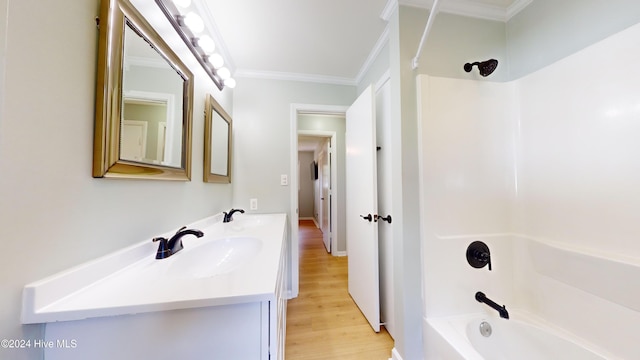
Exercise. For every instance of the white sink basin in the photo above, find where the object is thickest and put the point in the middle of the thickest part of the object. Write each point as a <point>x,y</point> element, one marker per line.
<point>214,257</point>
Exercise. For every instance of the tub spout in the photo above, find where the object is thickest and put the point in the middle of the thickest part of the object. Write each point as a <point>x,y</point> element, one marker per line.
<point>502,310</point>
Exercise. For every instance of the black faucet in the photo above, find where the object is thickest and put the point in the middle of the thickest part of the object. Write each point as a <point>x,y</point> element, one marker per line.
<point>502,310</point>
<point>169,247</point>
<point>229,216</point>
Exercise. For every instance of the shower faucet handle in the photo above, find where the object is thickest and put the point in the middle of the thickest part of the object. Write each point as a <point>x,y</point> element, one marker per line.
<point>478,255</point>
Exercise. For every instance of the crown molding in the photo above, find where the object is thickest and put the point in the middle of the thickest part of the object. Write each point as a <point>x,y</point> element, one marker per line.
<point>285,76</point>
<point>516,7</point>
<point>472,9</point>
<point>322,79</point>
<point>373,55</point>
<point>388,10</point>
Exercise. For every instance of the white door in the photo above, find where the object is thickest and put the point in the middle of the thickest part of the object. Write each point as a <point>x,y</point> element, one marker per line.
<point>362,206</point>
<point>133,143</point>
<point>385,229</point>
<point>325,197</point>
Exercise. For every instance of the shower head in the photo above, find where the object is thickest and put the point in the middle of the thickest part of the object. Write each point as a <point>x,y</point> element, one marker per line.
<point>485,67</point>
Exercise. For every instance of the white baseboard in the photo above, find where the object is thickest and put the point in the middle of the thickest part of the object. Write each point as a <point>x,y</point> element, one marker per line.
<point>312,219</point>
<point>395,355</point>
<point>339,253</point>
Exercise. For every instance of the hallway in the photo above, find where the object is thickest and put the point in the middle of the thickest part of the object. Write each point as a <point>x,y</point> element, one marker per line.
<point>323,322</point>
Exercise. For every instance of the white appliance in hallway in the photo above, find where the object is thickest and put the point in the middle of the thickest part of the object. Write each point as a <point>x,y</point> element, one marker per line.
<point>362,207</point>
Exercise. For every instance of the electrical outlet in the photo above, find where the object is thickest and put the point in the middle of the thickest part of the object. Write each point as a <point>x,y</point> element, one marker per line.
<point>253,204</point>
<point>284,180</point>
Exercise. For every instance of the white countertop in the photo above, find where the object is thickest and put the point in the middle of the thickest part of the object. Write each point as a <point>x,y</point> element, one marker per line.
<point>133,281</point>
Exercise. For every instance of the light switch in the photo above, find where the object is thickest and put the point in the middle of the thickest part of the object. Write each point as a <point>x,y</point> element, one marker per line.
<point>284,180</point>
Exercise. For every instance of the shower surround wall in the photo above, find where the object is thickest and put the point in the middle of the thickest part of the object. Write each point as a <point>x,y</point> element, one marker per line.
<point>544,169</point>
<point>468,188</point>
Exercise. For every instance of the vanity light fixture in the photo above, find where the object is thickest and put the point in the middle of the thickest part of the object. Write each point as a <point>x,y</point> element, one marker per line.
<point>192,30</point>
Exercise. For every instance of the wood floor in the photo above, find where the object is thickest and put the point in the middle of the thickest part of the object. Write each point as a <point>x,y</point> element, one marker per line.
<point>323,322</point>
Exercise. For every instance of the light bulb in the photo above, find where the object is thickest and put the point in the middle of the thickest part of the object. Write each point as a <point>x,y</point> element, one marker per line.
<point>207,44</point>
<point>194,22</point>
<point>223,73</point>
<point>182,3</point>
<point>216,61</point>
<point>230,83</point>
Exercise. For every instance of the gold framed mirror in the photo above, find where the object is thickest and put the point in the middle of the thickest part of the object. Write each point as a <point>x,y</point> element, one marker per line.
<point>217,143</point>
<point>144,101</point>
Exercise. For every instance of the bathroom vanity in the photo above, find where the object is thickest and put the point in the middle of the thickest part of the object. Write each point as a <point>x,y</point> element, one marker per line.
<point>222,297</point>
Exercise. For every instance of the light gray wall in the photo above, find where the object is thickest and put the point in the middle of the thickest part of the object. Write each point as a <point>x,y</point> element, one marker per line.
<point>262,131</point>
<point>404,207</point>
<point>53,214</point>
<point>306,184</point>
<point>453,41</point>
<point>549,30</point>
<point>337,124</point>
<point>262,128</point>
<point>3,44</point>
<point>542,33</point>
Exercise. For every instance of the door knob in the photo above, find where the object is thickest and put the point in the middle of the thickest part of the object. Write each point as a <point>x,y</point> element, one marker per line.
<point>368,217</point>
<point>387,219</point>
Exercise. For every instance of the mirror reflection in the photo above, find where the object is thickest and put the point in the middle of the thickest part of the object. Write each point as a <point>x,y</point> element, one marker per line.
<point>219,145</point>
<point>144,101</point>
<point>151,128</point>
<point>217,162</point>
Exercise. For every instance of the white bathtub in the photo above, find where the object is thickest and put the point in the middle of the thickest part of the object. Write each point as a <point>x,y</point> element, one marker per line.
<point>522,337</point>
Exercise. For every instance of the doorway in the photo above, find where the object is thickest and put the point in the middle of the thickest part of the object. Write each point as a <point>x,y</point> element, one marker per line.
<point>334,112</point>
<point>315,197</point>
<point>329,157</point>
<point>382,89</point>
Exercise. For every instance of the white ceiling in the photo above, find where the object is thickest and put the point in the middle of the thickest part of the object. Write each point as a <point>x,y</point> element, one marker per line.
<point>309,143</point>
<point>322,40</point>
